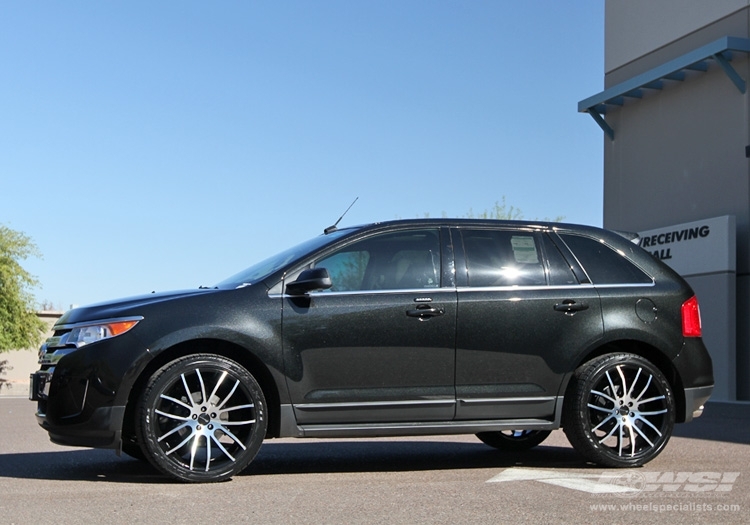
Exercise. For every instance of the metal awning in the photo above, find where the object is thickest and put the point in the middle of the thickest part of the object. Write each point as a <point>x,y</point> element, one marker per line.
<point>719,51</point>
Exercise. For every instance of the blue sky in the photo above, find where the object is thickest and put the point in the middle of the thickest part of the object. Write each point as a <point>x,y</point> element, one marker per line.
<point>166,145</point>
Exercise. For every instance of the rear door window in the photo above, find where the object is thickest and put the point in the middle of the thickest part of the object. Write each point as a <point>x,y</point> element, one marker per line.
<point>503,258</point>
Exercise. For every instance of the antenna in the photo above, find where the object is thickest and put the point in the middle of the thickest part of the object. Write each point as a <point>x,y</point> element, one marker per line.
<point>333,228</point>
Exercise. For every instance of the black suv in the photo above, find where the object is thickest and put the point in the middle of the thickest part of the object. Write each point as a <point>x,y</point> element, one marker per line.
<point>506,330</point>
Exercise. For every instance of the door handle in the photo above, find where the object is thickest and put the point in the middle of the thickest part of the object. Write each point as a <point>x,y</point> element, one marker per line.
<point>570,307</point>
<point>425,311</point>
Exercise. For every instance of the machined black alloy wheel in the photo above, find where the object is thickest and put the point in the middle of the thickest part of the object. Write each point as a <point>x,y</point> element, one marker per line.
<point>201,418</point>
<point>619,410</point>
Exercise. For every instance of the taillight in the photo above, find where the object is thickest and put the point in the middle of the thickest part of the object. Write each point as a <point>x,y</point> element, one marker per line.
<point>691,318</point>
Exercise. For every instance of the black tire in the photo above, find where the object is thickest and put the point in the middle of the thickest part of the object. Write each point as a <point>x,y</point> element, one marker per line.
<point>514,439</point>
<point>619,410</point>
<point>201,418</point>
<point>133,450</point>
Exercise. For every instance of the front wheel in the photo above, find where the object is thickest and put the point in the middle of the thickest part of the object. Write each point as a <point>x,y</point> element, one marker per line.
<point>201,418</point>
<point>619,410</point>
<point>514,439</point>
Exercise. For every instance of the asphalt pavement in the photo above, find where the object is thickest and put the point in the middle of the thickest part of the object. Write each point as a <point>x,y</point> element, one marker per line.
<point>703,476</point>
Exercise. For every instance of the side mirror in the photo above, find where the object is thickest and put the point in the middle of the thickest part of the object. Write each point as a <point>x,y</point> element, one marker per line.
<point>310,280</point>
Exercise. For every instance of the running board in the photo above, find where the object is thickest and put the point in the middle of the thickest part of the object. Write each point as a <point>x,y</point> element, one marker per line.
<point>339,430</point>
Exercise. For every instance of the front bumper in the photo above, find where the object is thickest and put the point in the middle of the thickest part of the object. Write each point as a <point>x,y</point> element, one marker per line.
<point>81,397</point>
<point>65,411</point>
<point>103,429</point>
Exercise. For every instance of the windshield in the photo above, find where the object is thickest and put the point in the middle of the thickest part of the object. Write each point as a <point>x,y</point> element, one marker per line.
<point>266,267</point>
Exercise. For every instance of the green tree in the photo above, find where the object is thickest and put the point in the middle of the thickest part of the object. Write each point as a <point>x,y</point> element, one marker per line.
<point>4,367</point>
<point>500,211</point>
<point>19,325</point>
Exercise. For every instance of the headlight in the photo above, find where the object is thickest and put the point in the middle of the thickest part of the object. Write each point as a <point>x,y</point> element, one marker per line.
<point>91,333</point>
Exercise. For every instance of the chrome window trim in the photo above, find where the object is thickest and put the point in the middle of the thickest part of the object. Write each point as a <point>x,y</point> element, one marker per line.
<point>419,291</point>
<point>536,287</point>
<point>459,289</point>
<point>627,285</point>
<point>556,287</point>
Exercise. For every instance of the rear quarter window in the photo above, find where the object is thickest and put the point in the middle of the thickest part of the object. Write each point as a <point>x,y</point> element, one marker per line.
<point>603,264</point>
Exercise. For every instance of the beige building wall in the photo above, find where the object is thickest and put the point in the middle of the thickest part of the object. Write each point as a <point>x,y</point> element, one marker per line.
<point>23,363</point>
<point>678,153</point>
<point>635,28</point>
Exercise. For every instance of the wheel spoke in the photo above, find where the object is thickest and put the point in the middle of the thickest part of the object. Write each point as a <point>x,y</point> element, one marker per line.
<point>611,385</point>
<point>232,436</point>
<point>624,381</point>
<point>635,380</point>
<point>193,450</point>
<point>221,447</point>
<point>208,452</point>
<point>641,433</point>
<point>233,423</point>
<point>175,429</point>
<point>632,440</point>
<point>238,407</point>
<point>644,401</point>
<point>190,436</point>
<point>611,432</point>
<point>654,413</point>
<point>601,409</point>
<point>218,384</point>
<point>605,396</point>
<point>645,388</point>
<point>650,424</point>
<point>203,386</point>
<point>171,416</point>
<point>229,395</point>
<point>187,390</point>
<point>176,401</point>
<point>602,423</point>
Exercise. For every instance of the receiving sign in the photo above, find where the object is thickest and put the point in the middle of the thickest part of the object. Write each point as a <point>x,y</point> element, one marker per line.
<point>693,248</point>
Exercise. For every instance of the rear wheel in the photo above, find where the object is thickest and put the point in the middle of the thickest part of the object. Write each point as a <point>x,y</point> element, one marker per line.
<point>619,410</point>
<point>514,439</point>
<point>201,418</point>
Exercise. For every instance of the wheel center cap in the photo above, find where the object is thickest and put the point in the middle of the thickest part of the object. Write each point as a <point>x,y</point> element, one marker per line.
<point>204,419</point>
<point>624,410</point>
